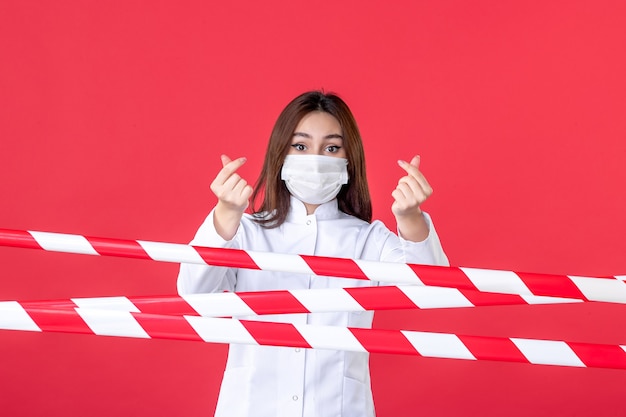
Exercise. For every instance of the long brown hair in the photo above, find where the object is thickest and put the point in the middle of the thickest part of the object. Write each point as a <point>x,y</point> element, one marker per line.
<point>354,197</point>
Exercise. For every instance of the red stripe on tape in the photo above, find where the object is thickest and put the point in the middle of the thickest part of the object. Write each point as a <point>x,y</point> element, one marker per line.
<point>272,302</point>
<point>49,304</point>
<point>59,320</point>
<point>493,348</point>
<point>232,258</point>
<point>169,327</point>
<point>275,334</point>
<point>384,341</point>
<point>173,305</point>
<point>118,247</point>
<point>384,298</point>
<point>600,356</point>
<point>18,239</point>
<point>551,285</point>
<point>338,267</point>
<point>439,276</point>
<point>489,299</point>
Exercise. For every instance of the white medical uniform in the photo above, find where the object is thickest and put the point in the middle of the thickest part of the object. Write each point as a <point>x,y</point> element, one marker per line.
<point>262,381</point>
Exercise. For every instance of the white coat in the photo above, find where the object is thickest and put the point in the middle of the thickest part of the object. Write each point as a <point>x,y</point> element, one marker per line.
<point>271,381</point>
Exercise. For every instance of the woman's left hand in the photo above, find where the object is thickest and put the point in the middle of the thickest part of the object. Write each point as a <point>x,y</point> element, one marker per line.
<point>412,190</point>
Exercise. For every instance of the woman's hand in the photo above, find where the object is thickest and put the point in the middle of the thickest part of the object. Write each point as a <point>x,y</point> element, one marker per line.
<point>412,190</point>
<point>233,193</point>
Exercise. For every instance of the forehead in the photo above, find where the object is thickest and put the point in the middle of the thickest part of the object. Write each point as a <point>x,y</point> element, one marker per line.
<point>319,121</point>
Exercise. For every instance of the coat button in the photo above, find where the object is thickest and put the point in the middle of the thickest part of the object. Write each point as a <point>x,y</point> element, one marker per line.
<point>308,222</point>
<point>295,398</point>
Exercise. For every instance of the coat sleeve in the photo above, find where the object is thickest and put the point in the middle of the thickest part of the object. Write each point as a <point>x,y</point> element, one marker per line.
<point>427,252</point>
<point>193,278</point>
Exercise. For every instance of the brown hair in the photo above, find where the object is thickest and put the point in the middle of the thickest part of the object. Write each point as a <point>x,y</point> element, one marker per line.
<point>354,197</point>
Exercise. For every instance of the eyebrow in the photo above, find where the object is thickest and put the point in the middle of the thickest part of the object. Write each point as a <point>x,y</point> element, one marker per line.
<point>306,135</point>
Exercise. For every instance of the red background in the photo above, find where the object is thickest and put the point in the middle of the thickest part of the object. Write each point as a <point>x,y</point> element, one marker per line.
<point>114,114</point>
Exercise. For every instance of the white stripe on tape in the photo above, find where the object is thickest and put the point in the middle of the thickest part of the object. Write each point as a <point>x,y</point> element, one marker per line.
<point>219,304</point>
<point>496,281</point>
<point>601,289</point>
<point>58,242</point>
<point>330,337</point>
<point>326,300</point>
<point>540,299</point>
<point>106,303</point>
<point>438,345</point>
<point>219,330</point>
<point>171,252</point>
<point>547,352</point>
<point>112,323</point>
<point>435,297</point>
<point>280,262</point>
<point>388,272</point>
<point>14,317</point>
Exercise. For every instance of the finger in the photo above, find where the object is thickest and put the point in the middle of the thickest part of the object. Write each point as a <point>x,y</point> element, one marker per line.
<point>229,169</point>
<point>225,160</point>
<point>418,186</point>
<point>405,201</point>
<point>411,167</point>
<point>401,202</point>
<point>413,170</point>
<point>398,196</point>
<point>406,193</point>
<point>239,187</point>
<point>231,182</point>
<point>243,190</point>
<point>234,191</point>
<point>413,192</point>
<point>411,185</point>
<point>233,164</point>
<point>246,192</point>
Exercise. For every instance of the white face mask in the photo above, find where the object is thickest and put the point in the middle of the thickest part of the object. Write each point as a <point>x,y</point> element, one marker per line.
<point>314,179</point>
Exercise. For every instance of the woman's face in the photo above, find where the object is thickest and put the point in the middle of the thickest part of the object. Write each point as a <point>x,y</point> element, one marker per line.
<point>318,133</point>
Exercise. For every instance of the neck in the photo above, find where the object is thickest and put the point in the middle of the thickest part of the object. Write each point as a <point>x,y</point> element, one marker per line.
<point>310,208</point>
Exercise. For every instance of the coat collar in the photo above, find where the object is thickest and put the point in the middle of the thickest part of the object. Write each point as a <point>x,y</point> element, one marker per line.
<point>326,211</point>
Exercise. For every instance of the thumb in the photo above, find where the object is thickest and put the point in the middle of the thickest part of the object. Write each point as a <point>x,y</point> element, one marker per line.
<point>416,161</point>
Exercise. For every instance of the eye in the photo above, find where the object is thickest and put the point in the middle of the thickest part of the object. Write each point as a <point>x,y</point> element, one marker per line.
<point>333,148</point>
<point>299,147</point>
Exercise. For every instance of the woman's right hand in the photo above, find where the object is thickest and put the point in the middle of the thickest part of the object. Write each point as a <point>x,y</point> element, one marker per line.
<point>233,193</point>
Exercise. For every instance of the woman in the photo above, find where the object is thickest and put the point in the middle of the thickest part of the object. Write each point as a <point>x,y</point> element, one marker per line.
<point>314,200</point>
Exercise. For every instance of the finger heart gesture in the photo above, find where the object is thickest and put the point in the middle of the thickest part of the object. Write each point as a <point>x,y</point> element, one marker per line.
<point>228,186</point>
<point>412,189</point>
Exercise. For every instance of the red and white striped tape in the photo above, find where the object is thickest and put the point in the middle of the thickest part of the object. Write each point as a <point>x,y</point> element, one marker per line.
<point>224,330</point>
<point>299,301</point>
<point>610,289</point>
